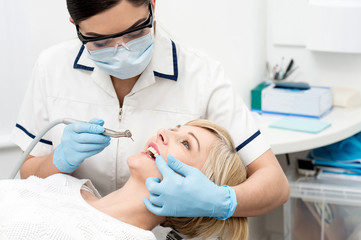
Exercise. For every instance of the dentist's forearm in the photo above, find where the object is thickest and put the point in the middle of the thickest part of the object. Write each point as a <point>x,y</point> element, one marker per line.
<point>265,189</point>
<point>39,166</point>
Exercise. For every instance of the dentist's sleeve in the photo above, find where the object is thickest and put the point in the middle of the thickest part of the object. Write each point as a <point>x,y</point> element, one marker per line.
<point>226,108</point>
<point>33,114</point>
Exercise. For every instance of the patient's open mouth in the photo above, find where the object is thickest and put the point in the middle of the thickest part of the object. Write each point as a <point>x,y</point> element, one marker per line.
<point>151,152</point>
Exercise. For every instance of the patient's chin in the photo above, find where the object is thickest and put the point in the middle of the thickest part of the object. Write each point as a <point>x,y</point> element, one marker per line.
<point>141,166</point>
<point>135,161</point>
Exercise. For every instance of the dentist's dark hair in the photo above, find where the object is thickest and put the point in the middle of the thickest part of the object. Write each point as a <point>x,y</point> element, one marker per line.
<point>81,10</point>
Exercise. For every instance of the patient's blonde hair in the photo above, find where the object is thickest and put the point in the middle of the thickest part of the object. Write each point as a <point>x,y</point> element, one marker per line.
<point>224,167</point>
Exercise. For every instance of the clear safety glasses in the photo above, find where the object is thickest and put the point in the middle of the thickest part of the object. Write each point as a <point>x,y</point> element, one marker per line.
<point>117,39</point>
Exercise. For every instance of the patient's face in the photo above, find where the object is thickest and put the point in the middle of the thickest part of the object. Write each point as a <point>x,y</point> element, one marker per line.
<point>188,144</point>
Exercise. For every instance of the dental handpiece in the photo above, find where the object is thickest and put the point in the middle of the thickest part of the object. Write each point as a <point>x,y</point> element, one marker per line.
<point>107,132</point>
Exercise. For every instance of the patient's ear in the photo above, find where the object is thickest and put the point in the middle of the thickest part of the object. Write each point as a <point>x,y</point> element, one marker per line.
<point>71,20</point>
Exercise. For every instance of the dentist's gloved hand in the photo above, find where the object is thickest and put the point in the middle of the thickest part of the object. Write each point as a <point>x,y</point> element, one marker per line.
<point>193,195</point>
<point>80,140</point>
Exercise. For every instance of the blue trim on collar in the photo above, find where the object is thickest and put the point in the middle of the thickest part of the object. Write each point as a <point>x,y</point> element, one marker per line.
<point>79,66</point>
<point>242,145</point>
<point>173,77</point>
<point>32,136</point>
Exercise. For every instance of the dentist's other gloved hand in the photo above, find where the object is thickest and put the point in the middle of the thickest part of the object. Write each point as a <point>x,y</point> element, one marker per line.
<point>193,195</point>
<point>80,140</point>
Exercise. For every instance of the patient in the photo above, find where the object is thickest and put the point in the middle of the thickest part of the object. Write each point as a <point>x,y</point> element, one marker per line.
<point>63,207</point>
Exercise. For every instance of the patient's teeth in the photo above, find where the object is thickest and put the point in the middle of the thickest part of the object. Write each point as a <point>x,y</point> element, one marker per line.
<point>152,152</point>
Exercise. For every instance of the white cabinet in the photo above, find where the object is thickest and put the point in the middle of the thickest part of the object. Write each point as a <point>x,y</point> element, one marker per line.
<point>322,209</point>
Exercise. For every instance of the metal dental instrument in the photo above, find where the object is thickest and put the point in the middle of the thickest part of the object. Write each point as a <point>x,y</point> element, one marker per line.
<point>107,132</point>
<point>115,134</point>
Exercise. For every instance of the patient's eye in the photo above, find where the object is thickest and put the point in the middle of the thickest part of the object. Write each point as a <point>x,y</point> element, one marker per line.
<point>186,144</point>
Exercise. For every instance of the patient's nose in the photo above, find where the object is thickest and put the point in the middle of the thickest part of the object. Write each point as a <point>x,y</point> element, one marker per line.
<point>163,135</point>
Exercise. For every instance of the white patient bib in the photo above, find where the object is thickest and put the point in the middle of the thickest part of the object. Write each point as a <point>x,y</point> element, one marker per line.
<point>53,208</point>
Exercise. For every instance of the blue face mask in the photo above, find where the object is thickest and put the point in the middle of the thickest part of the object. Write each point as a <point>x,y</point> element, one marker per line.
<point>125,63</point>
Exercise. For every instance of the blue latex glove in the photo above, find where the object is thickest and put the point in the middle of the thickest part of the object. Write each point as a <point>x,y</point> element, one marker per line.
<point>80,140</point>
<point>193,195</point>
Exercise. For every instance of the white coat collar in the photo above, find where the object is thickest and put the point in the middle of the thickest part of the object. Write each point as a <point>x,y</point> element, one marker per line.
<point>164,62</point>
<point>82,61</point>
<point>165,58</point>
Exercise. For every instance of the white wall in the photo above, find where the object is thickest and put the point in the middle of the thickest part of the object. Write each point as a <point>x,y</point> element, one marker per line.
<point>231,31</point>
<point>318,68</point>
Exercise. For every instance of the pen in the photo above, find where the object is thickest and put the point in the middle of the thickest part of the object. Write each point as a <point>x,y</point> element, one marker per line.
<point>274,72</point>
<point>280,74</point>
<point>292,71</point>
<point>288,68</point>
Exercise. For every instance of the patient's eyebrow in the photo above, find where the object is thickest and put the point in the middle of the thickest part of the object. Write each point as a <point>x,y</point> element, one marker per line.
<point>194,136</point>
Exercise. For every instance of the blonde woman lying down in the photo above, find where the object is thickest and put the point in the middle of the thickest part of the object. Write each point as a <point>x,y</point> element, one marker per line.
<point>63,207</point>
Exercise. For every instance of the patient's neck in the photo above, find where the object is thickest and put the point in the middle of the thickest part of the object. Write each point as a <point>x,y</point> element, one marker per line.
<point>126,205</point>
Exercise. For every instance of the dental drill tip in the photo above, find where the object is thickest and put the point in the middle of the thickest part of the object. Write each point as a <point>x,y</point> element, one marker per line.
<point>128,134</point>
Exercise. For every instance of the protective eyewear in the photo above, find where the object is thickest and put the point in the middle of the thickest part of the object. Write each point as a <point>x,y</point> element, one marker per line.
<point>114,40</point>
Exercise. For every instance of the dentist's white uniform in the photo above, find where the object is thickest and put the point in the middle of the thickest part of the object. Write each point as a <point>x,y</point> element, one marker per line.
<point>177,86</point>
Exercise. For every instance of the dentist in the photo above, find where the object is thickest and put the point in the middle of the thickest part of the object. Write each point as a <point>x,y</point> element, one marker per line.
<point>128,71</point>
